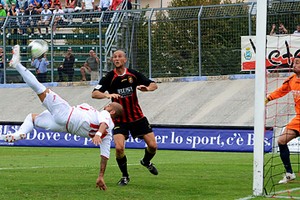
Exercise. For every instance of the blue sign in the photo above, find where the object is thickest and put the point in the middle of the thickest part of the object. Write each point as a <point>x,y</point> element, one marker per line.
<point>172,138</point>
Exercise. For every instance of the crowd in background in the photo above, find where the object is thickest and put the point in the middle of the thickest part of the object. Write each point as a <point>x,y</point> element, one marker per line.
<point>282,30</point>
<point>26,17</point>
<point>37,13</point>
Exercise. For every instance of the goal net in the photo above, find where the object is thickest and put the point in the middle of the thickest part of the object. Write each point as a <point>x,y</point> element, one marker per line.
<point>274,56</point>
<point>278,114</point>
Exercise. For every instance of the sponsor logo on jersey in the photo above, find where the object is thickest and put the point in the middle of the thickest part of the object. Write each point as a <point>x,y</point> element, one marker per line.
<point>130,79</point>
<point>124,92</point>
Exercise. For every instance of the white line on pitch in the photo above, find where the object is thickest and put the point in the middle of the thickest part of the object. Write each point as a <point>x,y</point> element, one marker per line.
<point>41,167</point>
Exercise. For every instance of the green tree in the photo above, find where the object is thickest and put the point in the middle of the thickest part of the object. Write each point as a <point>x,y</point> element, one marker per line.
<point>182,3</point>
<point>221,28</point>
<point>175,39</point>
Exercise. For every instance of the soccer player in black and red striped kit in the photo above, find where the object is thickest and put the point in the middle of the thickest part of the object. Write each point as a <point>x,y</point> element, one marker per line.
<point>121,85</point>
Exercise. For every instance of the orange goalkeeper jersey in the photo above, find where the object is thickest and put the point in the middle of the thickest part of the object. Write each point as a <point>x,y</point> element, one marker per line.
<point>291,84</point>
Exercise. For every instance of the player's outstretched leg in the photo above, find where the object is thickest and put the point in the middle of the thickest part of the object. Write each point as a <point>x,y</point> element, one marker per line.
<point>16,56</point>
<point>25,128</point>
<point>27,76</point>
<point>13,137</point>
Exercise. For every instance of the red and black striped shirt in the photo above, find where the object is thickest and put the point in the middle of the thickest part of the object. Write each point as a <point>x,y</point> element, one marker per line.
<point>125,85</point>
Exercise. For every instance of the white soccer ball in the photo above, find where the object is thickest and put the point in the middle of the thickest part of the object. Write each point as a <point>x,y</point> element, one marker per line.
<point>38,48</point>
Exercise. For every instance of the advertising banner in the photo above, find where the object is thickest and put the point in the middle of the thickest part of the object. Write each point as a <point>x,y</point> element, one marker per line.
<point>172,138</point>
<point>280,52</point>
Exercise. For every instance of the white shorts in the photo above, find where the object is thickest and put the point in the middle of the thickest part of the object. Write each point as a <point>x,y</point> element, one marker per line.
<point>56,115</point>
<point>46,121</point>
<point>58,107</point>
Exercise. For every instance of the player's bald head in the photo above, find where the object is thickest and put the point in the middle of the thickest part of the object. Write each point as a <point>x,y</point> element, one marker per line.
<point>118,108</point>
<point>120,51</point>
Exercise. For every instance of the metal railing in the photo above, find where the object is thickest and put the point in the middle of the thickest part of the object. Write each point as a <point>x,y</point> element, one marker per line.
<point>111,34</point>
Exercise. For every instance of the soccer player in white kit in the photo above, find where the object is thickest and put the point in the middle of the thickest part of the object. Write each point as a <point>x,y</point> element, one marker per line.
<point>82,120</point>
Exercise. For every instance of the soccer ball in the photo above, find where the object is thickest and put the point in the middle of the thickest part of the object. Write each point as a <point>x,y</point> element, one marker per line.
<point>38,48</point>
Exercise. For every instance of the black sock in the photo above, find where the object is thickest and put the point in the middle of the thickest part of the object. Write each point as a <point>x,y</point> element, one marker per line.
<point>148,156</point>
<point>123,165</point>
<point>285,157</point>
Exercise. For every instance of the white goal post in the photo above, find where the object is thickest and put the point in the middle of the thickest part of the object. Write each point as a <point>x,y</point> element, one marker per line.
<point>260,85</point>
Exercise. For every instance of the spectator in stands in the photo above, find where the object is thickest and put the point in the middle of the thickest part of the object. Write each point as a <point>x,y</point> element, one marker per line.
<point>281,29</point>
<point>40,65</point>
<point>59,17</point>
<point>3,2</point>
<point>31,17</point>
<point>87,6</point>
<point>78,6</point>
<point>21,21</point>
<point>43,2</point>
<point>129,5</point>
<point>53,3</point>
<point>9,2</point>
<point>45,19</point>
<point>2,15</point>
<point>91,66</point>
<point>297,31</point>
<point>115,4</point>
<point>1,66</point>
<point>37,4</point>
<point>105,5</point>
<point>12,21</point>
<point>67,67</point>
<point>70,8</point>
<point>22,4</point>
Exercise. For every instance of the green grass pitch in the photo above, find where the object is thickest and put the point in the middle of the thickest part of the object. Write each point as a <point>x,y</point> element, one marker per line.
<point>70,173</point>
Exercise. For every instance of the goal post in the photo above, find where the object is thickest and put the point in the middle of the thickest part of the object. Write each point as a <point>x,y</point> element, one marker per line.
<point>260,86</point>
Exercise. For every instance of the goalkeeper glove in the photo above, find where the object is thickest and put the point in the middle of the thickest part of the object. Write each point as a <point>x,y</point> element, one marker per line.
<point>266,101</point>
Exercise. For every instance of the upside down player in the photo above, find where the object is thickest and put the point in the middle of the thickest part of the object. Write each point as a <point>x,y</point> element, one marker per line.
<point>122,84</point>
<point>81,120</point>
<point>292,130</point>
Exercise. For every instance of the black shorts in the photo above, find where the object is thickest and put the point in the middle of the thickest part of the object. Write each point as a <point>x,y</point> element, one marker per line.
<point>137,129</point>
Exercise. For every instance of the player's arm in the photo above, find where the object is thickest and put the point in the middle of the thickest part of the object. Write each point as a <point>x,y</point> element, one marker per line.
<point>99,91</point>
<point>144,83</point>
<point>100,133</point>
<point>275,95</point>
<point>151,87</point>
<point>100,180</point>
<point>280,92</point>
<point>96,94</point>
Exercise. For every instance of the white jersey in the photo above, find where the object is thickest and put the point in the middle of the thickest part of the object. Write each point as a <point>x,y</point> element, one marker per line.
<point>84,120</point>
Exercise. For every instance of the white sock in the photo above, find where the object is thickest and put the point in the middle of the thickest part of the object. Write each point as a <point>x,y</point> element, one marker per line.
<point>30,79</point>
<point>27,125</point>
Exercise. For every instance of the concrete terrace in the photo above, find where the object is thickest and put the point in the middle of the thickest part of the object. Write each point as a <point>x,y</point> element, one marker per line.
<point>209,101</point>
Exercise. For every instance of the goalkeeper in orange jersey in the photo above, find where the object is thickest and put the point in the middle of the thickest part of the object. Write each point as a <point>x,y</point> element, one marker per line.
<point>292,130</point>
